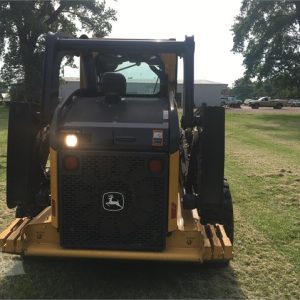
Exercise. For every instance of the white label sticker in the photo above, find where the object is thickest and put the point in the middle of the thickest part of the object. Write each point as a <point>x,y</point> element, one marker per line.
<point>157,137</point>
<point>165,115</point>
<point>157,134</point>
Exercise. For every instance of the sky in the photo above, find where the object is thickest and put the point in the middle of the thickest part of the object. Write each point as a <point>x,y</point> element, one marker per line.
<point>208,20</point>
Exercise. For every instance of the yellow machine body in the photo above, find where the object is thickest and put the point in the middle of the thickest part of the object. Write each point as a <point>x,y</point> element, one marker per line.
<point>188,240</point>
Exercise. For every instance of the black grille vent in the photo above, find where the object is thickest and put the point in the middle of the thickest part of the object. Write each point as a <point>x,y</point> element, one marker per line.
<point>137,218</point>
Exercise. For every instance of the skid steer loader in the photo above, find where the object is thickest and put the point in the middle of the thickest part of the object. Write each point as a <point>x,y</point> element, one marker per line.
<point>109,172</point>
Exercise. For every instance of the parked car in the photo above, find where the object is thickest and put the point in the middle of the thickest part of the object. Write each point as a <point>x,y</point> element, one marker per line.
<point>247,101</point>
<point>4,98</point>
<point>294,103</point>
<point>268,102</point>
<point>230,102</point>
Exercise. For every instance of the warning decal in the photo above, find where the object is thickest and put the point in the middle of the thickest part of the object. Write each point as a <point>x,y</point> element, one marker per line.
<point>157,137</point>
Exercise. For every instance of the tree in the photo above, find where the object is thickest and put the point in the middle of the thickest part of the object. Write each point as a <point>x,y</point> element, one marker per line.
<point>267,34</point>
<point>244,88</point>
<point>23,27</point>
<point>3,87</point>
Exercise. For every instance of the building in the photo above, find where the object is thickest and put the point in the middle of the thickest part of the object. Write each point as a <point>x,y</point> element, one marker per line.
<point>67,86</point>
<point>205,92</point>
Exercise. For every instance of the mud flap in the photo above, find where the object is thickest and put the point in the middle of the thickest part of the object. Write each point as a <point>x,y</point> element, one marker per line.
<point>211,159</point>
<point>24,172</point>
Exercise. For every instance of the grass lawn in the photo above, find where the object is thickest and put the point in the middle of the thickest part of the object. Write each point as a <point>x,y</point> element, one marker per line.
<point>263,168</point>
<point>5,215</point>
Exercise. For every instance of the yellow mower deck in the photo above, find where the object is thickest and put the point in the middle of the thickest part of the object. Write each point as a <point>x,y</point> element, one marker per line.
<point>191,242</point>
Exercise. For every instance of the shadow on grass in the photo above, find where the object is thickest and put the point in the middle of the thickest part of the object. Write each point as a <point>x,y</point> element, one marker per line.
<point>283,127</point>
<point>70,278</point>
<point>280,118</point>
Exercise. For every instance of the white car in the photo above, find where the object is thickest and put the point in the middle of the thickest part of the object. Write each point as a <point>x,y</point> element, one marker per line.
<point>4,98</point>
<point>230,102</point>
<point>294,103</point>
<point>247,101</point>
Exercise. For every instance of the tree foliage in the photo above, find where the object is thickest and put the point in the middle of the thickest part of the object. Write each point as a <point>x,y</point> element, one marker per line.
<point>23,26</point>
<point>267,34</point>
<point>244,88</point>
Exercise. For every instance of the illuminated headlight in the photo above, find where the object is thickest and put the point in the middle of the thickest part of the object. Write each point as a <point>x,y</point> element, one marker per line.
<point>71,140</point>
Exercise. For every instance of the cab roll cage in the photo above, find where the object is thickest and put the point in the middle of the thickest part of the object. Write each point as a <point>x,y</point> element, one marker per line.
<point>57,47</point>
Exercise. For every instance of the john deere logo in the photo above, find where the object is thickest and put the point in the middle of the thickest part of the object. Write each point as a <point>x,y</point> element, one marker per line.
<point>113,201</point>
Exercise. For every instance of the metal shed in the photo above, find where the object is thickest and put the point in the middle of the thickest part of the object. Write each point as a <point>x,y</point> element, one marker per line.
<point>205,91</point>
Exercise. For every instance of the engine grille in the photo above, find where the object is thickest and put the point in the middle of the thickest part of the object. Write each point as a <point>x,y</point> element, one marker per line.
<point>113,202</point>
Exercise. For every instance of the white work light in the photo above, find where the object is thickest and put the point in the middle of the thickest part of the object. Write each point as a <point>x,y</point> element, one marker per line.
<point>71,140</point>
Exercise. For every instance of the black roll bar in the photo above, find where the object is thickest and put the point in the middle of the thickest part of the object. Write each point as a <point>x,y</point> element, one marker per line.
<point>58,46</point>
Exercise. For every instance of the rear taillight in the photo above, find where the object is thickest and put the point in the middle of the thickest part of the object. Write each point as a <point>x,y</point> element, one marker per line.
<point>71,163</point>
<point>53,207</point>
<point>173,211</point>
<point>155,165</point>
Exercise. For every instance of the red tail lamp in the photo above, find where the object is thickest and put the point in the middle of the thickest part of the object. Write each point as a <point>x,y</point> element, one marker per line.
<point>173,211</point>
<point>53,207</point>
<point>71,163</point>
<point>155,165</point>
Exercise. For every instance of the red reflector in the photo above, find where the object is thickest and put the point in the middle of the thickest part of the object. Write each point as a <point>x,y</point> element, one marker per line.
<point>71,163</point>
<point>155,165</point>
<point>173,211</point>
<point>53,207</point>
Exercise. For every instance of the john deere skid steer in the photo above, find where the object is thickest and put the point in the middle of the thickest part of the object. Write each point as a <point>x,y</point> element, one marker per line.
<point>109,172</point>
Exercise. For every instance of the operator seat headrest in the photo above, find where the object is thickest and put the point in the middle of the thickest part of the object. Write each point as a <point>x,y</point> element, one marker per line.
<point>113,87</point>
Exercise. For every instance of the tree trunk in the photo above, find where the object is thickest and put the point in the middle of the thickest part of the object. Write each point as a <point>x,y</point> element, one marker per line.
<point>26,91</point>
<point>32,76</point>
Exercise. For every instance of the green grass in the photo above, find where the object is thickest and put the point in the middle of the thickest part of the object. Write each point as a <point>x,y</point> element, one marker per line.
<point>263,165</point>
<point>263,168</point>
<point>3,140</point>
<point>5,214</point>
